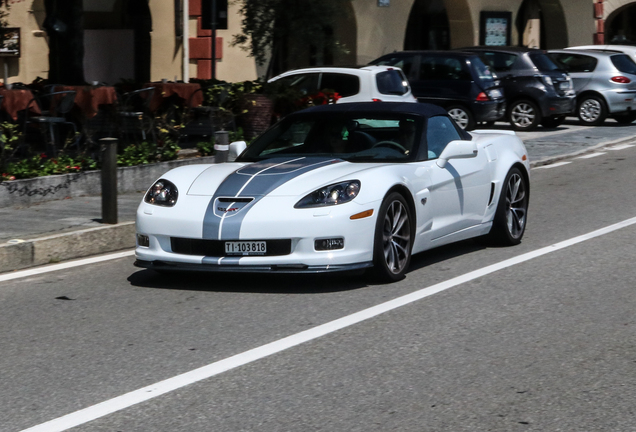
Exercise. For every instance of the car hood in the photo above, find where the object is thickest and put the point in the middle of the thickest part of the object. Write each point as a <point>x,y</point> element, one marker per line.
<point>274,177</point>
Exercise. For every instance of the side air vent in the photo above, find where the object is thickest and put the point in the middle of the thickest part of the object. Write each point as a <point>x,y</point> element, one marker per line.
<point>492,193</point>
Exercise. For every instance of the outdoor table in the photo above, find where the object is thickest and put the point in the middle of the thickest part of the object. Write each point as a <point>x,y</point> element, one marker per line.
<point>186,91</point>
<point>16,100</point>
<point>89,98</point>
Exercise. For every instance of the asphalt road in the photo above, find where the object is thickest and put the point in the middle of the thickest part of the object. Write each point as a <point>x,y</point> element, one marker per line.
<point>545,344</point>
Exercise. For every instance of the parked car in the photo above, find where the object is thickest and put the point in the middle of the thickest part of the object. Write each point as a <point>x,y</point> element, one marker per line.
<point>605,84</point>
<point>537,90</point>
<point>338,187</point>
<point>630,50</point>
<point>365,84</point>
<point>458,82</point>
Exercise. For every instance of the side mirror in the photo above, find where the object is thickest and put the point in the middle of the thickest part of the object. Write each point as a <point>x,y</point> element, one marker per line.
<point>236,148</point>
<point>458,149</point>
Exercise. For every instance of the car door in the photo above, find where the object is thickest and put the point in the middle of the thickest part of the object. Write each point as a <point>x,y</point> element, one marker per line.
<point>459,192</point>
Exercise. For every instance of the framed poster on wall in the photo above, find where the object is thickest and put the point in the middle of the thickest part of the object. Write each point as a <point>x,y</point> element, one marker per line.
<point>494,28</point>
<point>10,46</point>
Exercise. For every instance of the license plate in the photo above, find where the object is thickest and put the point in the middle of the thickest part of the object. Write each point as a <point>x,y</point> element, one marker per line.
<point>246,248</point>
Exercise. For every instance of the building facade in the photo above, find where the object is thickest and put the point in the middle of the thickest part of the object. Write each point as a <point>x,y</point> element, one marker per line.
<point>154,39</point>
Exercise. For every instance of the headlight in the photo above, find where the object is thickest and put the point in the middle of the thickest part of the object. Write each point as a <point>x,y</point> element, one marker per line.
<point>547,80</point>
<point>162,193</point>
<point>334,194</point>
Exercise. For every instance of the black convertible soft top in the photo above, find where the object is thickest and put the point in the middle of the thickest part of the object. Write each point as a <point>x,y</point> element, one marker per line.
<point>416,108</point>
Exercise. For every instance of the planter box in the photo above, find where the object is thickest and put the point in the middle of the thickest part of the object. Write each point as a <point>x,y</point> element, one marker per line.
<point>129,180</point>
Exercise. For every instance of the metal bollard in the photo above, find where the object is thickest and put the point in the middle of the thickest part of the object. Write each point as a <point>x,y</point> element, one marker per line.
<point>221,146</point>
<point>108,148</point>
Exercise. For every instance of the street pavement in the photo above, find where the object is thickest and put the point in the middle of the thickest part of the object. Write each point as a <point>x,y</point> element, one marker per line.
<point>64,221</point>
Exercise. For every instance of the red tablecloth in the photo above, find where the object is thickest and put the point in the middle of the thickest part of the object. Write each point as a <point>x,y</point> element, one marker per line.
<point>17,100</point>
<point>89,98</point>
<point>186,91</point>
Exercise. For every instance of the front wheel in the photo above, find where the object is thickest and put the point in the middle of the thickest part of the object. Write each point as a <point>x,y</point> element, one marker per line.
<point>510,219</point>
<point>393,239</point>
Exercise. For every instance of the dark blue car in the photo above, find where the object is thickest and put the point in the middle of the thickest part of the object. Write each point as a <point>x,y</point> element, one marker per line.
<point>459,82</point>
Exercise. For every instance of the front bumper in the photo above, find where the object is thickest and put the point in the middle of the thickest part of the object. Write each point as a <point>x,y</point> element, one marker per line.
<point>278,269</point>
<point>266,222</point>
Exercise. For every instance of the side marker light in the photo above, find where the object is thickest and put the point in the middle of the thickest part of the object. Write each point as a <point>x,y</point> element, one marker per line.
<point>362,215</point>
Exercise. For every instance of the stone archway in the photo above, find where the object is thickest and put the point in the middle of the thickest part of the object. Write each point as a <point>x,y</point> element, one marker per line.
<point>619,23</point>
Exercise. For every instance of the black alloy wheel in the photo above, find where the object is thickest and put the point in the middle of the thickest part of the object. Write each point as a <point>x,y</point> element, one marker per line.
<point>511,216</point>
<point>393,239</point>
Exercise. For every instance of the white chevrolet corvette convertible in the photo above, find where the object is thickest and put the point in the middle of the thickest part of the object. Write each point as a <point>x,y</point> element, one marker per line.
<point>336,188</point>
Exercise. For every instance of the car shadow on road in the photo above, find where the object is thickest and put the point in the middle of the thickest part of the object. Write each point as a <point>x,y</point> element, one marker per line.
<point>248,283</point>
<point>448,252</point>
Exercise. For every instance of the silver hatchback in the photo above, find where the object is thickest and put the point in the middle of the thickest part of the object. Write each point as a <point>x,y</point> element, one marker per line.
<point>605,84</point>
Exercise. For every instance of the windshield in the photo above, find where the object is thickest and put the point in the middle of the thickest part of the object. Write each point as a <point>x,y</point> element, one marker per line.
<point>356,138</point>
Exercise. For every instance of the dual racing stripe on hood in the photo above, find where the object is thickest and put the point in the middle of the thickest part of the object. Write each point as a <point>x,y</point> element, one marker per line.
<point>238,193</point>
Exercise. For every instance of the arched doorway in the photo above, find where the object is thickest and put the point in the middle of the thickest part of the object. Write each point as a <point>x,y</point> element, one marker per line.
<point>428,27</point>
<point>541,24</point>
<point>619,26</point>
<point>117,39</point>
<point>301,40</point>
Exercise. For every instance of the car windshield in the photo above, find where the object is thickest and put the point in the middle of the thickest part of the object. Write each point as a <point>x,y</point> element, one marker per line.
<point>624,63</point>
<point>356,138</point>
<point>544,63</point>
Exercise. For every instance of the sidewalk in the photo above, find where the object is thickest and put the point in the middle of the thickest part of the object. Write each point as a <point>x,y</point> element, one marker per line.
<point>66,229</point>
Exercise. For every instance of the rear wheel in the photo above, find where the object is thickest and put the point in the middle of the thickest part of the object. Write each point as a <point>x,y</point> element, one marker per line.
<point>393,239</point>
<point>511,216</point>
<point>592,110</point>
<point>462,117</point>
<point>524,115</point>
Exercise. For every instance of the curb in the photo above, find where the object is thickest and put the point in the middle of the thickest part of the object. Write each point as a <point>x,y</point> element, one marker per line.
<point>62,247</point>
<point>111,238</point>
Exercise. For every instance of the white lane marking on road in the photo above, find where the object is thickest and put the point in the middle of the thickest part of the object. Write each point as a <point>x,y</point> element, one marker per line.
<point>554,165</point>
<point>66,265</point>
<point>591,155</point>
<point>143,394</point>
<point>620,147</point>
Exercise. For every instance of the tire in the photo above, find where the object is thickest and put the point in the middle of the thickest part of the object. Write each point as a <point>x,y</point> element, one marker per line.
<point>462,117</point>
<point>553,122</point>
<point>510,219</point>
<point>393,239</point>
<point>524,115</point>
<point>592,110</point>
<point>625,118</point>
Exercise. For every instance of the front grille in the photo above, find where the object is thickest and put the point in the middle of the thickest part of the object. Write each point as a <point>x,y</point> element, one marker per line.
<point>216,248</point>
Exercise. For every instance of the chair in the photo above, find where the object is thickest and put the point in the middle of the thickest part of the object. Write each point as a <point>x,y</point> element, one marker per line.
<point>199,121</point>
<point>134,115</point>
<point>54,109</point>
